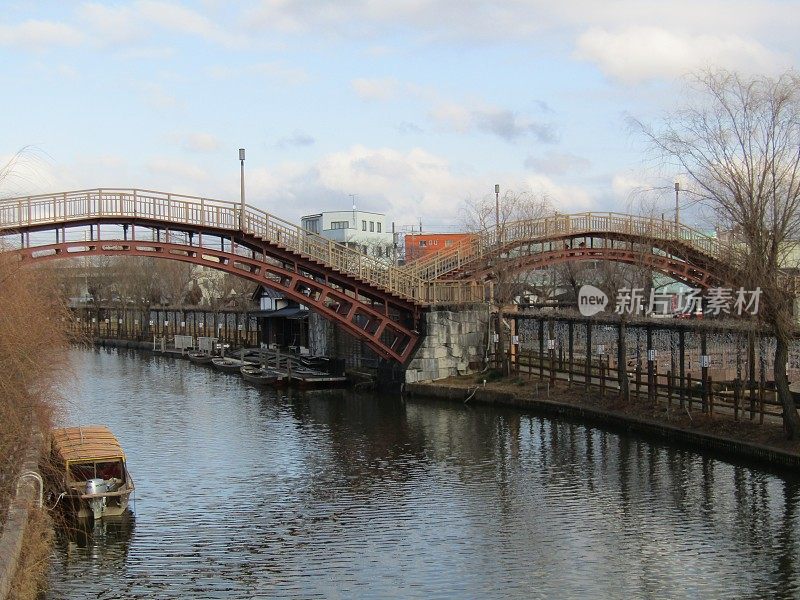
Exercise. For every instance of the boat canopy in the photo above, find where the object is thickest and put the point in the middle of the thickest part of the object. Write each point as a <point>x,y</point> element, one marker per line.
<point>91,442</point>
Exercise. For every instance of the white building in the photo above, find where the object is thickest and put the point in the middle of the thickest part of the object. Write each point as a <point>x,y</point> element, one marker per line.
<point>364,231</point>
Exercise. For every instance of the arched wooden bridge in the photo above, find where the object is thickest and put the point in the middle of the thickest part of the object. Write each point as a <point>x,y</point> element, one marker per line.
<point>379,303</point>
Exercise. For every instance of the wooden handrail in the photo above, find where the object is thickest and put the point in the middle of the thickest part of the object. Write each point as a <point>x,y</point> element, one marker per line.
<point>108,203</point>
<point>477,246</point>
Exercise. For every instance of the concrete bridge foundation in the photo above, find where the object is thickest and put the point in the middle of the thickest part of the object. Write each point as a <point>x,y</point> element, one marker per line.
<point>454,344</point>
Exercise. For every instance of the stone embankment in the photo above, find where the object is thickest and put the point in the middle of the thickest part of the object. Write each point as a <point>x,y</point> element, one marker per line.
<point>743,440</point>
<point>13,532</point>
<point>454,344</point>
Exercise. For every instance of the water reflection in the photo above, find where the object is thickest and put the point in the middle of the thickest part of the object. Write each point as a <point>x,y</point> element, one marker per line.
<point>86,547</point>
<point>245,493</point>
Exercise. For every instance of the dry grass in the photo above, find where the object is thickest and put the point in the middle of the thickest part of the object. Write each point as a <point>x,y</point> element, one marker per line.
<point>32,360</point>
<point>34,559</point>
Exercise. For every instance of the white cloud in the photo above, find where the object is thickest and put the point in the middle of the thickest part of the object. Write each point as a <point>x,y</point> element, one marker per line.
<point>375,89</point>
<point>558,163</point>
<point>141,20</point>
<point>199,142</point>
<point>564,198</point>
<point>503,123</point>
<point>642,53</point>
<point>271,70</point>
<point>517,20</point>
<point>156,97</point>
<point>172,169</point>
<point>40,34</point>
<point>297,139</point>
<point>406,185</point>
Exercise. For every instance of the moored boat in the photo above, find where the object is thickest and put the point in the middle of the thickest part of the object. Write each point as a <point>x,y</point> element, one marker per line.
<point>91,473</point>
<point>228,365</point>
<point>312,378</point>
<point>200,358</point>
<point>263,376</point>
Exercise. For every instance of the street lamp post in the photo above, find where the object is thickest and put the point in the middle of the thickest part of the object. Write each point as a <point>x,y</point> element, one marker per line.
<point>677,207</point>
<point>497,210</point>
<point>241,210</point>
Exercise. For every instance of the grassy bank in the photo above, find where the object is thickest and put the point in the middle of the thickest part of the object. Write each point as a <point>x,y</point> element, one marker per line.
<point>32,363</point>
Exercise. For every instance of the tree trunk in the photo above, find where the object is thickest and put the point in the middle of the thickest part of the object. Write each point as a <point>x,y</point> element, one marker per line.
<point>791,420</point>
<point>501,353</point>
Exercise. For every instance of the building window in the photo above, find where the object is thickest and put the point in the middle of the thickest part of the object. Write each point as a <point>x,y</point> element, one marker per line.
<point>363,225</point>
<point>379,251</point>
<point>422,243</point>
<point>372,226</point>
<point>311,225</point>
<point>379,227</point>
<point>339,224</point>
<point>448,243</point>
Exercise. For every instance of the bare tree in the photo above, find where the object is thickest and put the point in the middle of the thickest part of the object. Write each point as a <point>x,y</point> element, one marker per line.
<point>738,139</point>
<point>175,279</point>
<point>491,218</point>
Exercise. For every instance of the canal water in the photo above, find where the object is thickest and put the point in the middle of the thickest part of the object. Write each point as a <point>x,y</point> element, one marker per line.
<point>248,493</point>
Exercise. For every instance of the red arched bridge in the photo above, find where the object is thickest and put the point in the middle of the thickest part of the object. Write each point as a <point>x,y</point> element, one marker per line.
<point>377,302</point>
<point>673,249</point>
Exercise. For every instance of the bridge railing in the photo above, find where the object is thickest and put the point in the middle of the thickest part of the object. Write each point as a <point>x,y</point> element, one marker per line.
<point>165,209</point>
<point>485,243</point>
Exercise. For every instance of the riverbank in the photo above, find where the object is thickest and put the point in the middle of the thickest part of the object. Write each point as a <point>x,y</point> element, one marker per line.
<point>764,443</point>
<point>34,355</point>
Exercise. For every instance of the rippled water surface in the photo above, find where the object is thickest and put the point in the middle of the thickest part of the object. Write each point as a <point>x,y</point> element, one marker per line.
<point>246,493</point>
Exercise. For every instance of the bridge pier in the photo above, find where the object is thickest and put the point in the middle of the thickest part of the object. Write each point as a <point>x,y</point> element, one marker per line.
<point>454,344</point>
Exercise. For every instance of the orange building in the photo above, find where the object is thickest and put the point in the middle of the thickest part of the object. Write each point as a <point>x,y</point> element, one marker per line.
<point>422,244</point>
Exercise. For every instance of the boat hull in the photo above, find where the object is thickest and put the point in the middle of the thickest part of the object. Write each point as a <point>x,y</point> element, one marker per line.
<point>200,358</point>
<point>227,365</point>
<point>265,377</point>
<point>114,506</point>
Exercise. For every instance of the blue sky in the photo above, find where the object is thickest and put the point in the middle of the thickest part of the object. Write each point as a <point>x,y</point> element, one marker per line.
<point>415,106</point>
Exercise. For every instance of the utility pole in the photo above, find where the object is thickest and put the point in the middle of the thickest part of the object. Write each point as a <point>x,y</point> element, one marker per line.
<point>394,246</point>
<point>497,211</point>
<point>353,198</point>
<point>241,210</point>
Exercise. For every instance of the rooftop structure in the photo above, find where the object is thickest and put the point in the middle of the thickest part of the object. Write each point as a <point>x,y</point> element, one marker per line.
<point>364,231</point>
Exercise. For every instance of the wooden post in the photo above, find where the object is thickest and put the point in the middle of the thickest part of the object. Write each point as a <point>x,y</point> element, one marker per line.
<point>710,395</point>
<point>751,359</point>
<point>737,385</point>
<point>588,375</point>
<point>669,390</point>
<point>638,378</point>
<point>602,379</point>
<point>571,357</point>
<point>689,389</point>
<point>650,361</point>
<point>551,350</point>
<point>762,377</point>
<point>541,349</point>
<point>704,372</point>
<point>681,366</point>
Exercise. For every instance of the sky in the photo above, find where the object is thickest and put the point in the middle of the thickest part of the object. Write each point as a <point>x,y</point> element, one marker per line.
<point>410,107</point>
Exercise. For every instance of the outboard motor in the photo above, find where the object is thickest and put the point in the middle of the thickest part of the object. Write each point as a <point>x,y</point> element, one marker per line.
<point>98,505</point>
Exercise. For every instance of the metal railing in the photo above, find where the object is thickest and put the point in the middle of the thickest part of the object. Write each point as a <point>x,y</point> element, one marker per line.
<point>486,243</point>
